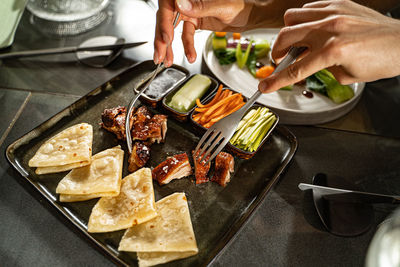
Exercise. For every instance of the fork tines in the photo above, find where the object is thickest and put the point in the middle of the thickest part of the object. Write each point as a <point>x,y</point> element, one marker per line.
<point>213,138</point>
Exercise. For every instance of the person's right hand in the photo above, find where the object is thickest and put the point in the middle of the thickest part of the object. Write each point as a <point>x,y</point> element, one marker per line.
<point>215,15</point>
<point>355,43</point>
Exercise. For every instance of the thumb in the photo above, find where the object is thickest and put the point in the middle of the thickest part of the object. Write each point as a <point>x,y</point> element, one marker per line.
<point>294,73</point>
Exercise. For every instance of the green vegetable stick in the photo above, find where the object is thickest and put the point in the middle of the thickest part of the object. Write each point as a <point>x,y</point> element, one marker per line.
<point>257,128</point>
<point>249,132</point>
<point>185,98</point>
<point>240,58</point>
<point>239,133</point>
<point>265,130</point>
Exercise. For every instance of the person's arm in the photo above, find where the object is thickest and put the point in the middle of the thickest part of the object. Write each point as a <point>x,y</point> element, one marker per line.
<point>355,43</point>
<point>270,13</point>
<point>224,15</point>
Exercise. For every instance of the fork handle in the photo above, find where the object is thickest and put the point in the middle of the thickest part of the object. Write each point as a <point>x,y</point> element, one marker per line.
<point>294,52</point>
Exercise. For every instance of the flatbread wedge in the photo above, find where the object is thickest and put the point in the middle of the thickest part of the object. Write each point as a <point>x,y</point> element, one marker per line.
<point>167,237</point>
<point>135,204</point>
<point>72,145</point>
<point>62,168</point>
<point>101,178</point>
<point>76,198</point>
<point>154,258</point>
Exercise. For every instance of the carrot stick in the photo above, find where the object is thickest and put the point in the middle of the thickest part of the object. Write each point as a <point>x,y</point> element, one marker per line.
<point>217,95</point>
<point>222,102</point>
<point>222,109</point>
<point>208,125</point>
<point>227,113</point>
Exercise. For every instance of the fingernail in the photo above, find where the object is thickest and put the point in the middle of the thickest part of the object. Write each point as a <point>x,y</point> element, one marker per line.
<point>190,59</point>
<point>165,38</point>
<point>155,58</point>
<point>184,5</point>
<point>167,63</point>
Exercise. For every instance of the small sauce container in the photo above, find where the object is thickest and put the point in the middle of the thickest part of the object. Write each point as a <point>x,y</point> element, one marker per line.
<point>162,84</point>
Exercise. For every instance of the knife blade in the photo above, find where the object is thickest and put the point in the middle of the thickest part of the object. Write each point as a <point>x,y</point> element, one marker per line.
<point>344,195</point>
<point>70,49</point>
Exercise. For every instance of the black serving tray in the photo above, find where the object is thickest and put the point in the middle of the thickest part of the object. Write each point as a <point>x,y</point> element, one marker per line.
<point>217,213</point>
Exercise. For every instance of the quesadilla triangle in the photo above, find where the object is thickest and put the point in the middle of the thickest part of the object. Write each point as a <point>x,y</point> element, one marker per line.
<point>99,179</point>
<point>72,145</point>
<point>167,237</point>
<point>135,204</point>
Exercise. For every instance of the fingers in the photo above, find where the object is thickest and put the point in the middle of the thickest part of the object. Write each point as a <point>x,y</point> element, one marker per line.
<point>188,41</point>
<point>169,58</point>
<point>317,4</point>
<point>296,16</point>
<point>296,72</point>
<point>342,76</point>
<point>294,36</point>
<point>200,8</point>
<point>224,11</point>
<point>313,35</point>
<point>164,29</point>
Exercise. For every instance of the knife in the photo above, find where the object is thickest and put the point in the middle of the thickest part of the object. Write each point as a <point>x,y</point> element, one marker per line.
<point>344,195</point>
<point>70,49</point>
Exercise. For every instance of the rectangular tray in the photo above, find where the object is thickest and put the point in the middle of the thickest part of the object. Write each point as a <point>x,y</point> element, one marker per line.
<point>217,213</point>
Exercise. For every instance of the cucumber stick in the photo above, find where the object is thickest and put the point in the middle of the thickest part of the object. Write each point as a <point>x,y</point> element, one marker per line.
<point>252,129</point>
<point>185,99</point>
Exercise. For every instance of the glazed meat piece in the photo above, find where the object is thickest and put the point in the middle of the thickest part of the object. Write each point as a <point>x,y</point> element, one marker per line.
<point>201,169</point>
<point>224,165</point>
<point>157,128</point>
<point>140,120</point>
<point>139,157</point>
<point>113,120</point>
<point>175,167</point>
<point>146,127</point>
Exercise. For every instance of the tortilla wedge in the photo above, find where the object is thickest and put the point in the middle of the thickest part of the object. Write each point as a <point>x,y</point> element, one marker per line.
<point>135,204</point>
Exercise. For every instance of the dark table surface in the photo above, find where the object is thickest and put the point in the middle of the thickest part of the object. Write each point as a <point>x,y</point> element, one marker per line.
<point>363,146</point>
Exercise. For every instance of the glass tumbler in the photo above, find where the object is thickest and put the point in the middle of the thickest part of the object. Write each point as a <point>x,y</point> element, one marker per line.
<point>67,17</point>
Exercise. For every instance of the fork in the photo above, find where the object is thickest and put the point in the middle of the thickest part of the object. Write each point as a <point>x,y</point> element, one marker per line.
<point>134,99</point>
<point>218,135</point>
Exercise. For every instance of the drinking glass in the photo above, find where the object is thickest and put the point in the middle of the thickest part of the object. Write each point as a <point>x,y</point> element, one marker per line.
<point>67,17</point>
<point>384,250</point>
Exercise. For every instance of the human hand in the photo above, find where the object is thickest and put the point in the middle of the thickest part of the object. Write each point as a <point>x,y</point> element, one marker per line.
<point>215,15</point>
<point>355,43</point>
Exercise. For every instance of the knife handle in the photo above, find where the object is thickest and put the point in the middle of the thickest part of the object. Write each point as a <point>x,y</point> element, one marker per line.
<point>40,52</point>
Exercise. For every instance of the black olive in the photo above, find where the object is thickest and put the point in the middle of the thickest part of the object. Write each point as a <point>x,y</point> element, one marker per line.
<point>259,65</point>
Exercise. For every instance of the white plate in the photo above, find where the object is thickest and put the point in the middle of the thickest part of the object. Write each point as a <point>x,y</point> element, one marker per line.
<point>291,106</point>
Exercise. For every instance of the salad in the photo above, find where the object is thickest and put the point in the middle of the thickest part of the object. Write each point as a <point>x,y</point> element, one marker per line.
<point>244,52</point>
<point>249,52</point>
